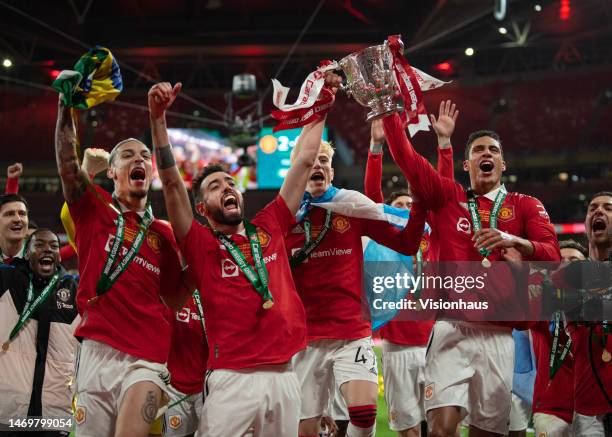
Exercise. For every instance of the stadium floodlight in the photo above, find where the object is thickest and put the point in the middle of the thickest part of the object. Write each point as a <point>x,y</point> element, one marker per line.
<point>503,30</point>
<point>7,63</point>
<point>469,51</point>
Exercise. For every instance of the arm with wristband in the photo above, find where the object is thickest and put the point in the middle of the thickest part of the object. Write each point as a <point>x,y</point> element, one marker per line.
<point>160,98</point>
<point>12,178</point>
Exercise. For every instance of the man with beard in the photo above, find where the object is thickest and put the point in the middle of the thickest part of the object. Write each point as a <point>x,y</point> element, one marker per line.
<point>469,366</point>
<point>327,261</point>
<point>13,226</point>
<point>254,318</point>
<point>126,327</point>
<point>593,363</point>
<point>37,318</point>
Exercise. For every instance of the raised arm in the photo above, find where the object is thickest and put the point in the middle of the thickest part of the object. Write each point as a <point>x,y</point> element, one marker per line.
<point>444,126</point>
<point>74,179</point>
<point>446,166</point>
<point>431,188</point>
<point>306,151</point>
<point>12,178</point>
<point>373,172</point>
<point>161,97</point>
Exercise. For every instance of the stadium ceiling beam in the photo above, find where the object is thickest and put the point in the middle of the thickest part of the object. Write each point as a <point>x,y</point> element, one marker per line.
<point>80,16</point>
<point>235,51</point>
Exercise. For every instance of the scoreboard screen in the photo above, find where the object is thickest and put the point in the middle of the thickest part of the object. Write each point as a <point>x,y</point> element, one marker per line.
<point>273,156</point>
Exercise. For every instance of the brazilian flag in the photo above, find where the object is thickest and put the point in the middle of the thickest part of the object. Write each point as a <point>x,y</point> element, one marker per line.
<point>96,78</point>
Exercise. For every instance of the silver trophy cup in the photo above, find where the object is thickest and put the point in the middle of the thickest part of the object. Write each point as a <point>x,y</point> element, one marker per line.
<point>371,80</point>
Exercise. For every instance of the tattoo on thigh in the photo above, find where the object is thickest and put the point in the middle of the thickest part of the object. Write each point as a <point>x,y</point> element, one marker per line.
<point>149,408</point>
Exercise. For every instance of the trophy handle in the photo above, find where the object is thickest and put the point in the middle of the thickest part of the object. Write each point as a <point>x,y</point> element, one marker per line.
<point>346,89</point>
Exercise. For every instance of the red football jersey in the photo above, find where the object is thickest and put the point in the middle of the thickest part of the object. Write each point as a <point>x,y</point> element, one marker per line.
<point>330,280</point>
<point>129,317</point>
<point>520,215</point>
<point>188,351</point>
<point>554,397</point>
<point>240,332</point>
<point>588,398</point>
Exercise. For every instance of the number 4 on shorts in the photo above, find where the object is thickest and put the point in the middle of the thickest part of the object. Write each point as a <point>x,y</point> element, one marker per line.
<point>362,358</point>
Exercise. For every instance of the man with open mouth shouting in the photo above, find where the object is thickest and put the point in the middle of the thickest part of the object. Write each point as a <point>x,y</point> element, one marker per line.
<point>130,275</point>
<point>593,362</point>
<point>254,318</point>
<point>37,318</point>
<point>327,261</point>
<point>469,366</point>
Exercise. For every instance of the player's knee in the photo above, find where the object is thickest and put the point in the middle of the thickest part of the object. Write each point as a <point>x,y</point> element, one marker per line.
<point>362,416</point>
<point>309,427</point>
<point>439,429</point>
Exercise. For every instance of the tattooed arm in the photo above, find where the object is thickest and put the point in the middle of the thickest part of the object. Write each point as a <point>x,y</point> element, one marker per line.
<point>74,179</point>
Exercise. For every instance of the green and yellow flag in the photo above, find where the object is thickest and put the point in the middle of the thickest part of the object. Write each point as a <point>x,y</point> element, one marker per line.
<point>96,78</point>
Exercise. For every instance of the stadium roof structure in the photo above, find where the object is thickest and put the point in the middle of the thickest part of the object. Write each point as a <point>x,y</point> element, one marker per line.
<point>205,43</point>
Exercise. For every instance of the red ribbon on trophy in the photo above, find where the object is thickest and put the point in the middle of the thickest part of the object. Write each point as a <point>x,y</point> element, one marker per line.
<point>314,100</point>
<point>415,115</point>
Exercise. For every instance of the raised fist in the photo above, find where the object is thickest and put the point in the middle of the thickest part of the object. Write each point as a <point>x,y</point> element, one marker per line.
<point>15,170</point>
<point>95,161</point>
<point>161,97</point>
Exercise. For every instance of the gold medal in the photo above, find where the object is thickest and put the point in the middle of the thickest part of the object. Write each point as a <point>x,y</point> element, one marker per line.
<point>606,356</point>
<point>486,263</point>
<point>268,304</point>
<point>5,345</point>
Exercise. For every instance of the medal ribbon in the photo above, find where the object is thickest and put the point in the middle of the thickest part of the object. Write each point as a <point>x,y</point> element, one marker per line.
<point>475,215</point>
<point>108,277</point>
<point>419,266</point>
<point>310,244</point>
<point>258,279</point>
<point>556,359</point>
<point>198,301</point>
<point>605,330</point>
<point>30,306</point>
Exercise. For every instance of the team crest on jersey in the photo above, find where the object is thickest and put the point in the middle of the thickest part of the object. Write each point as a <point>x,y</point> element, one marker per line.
<point>464,225</point>
<point>506,213</point>
<point>340,224</point>
<point>80,415</point>
<point>264,237</point>
<point>153,241</point>
<point>228,268</point>
<point>63,294</point>
<point>429,391</point>
<point>175,422</point>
